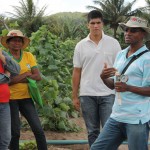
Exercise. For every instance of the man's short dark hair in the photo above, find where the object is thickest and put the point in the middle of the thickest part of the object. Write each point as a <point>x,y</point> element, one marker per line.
<point>94,14</point>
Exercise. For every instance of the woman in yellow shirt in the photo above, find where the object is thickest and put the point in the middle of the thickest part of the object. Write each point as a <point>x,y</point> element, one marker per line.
<point>20,99</point>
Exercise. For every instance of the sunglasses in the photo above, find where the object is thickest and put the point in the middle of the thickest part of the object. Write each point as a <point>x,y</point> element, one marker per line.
<point>134,30</point>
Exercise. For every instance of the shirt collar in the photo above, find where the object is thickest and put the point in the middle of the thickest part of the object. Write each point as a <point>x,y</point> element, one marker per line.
<point>88,37</point>
<point>143,48</point>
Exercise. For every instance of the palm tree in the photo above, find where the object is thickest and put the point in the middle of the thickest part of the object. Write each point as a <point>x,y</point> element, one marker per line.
<point>28,16</point>
<point>67,25</point>
<point>114,11</point>
<point>2,21</point>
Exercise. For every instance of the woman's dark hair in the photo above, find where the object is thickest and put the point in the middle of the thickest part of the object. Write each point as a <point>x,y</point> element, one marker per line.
<point>94,14</point>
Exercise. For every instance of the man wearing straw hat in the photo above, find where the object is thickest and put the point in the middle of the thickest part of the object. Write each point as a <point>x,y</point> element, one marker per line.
<point>20,99</point>
<point>131,111</point>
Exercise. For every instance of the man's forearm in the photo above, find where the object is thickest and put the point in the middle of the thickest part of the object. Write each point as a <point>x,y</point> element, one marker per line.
<point>75,88</point>
<point>109,83</point>
<point>145,91</point>
<point>76,82</point>
<point>75,92</point>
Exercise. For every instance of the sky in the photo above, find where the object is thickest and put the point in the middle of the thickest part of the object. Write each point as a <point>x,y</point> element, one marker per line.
<point>55,6</point>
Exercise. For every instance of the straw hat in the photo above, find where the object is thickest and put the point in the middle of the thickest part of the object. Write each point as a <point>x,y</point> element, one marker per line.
<point>15,33</point>
<point>136,22</point>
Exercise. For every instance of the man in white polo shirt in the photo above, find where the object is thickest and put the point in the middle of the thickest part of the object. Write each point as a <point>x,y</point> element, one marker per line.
<point>90,54</point>
<point>131,111</point>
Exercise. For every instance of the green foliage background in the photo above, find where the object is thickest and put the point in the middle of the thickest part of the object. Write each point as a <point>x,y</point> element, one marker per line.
<point>53,46</point>
<point>54,58</point>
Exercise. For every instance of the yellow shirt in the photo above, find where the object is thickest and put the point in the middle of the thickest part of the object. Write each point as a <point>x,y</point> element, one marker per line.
<point>20,90</point>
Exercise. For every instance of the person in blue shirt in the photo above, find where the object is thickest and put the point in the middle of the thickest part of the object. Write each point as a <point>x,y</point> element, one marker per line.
<point>131,110</point>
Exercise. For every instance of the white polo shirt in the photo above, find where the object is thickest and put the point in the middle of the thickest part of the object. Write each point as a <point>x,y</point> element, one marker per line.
<point>91,58</point>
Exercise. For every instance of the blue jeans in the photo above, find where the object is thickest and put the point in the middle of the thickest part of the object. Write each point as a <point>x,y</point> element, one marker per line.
<point>95,110</point>
<point>5,126</point>
<point>114,133</point>
<point>27,109</point>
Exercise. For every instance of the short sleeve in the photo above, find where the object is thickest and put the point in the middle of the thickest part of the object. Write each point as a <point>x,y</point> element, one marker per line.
<point>76,58</point>
<point>32,60</point>
<point>146,74</point>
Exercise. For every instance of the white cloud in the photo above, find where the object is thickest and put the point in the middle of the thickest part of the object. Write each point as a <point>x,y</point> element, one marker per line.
<point>139,3</point>
<point>55,6</point>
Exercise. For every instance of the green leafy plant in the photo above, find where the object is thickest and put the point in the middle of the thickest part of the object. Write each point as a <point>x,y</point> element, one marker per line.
<point>54,57</point>
<point>29,145</point>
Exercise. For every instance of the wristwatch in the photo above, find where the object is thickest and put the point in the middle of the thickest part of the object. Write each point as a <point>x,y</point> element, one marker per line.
<point>123,78</point>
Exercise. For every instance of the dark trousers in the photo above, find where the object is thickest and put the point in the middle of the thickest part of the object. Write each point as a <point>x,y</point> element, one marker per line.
<point>27,109</point>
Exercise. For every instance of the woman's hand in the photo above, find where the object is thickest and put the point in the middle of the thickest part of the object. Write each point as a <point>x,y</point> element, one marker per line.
<point>7,73</point>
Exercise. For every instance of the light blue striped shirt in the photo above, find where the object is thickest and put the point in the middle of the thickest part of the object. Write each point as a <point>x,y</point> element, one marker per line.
<point>134,108</point>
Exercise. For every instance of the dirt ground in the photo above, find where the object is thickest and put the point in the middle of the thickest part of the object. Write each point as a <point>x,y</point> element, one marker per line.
<point>28,135</point>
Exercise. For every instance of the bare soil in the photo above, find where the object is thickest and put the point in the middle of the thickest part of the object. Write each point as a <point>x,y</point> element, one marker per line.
<point>50,135</point>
